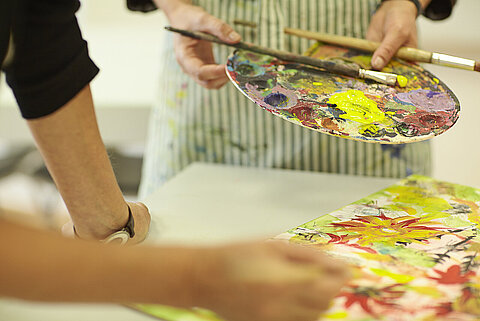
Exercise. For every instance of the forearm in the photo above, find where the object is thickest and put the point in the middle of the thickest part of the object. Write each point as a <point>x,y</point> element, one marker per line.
<point>75,155</point>
<point>47,267</point>
<point>423,3</point>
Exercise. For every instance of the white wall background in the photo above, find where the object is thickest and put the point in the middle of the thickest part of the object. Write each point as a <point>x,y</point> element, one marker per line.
<point>125,45</point>
<point>457,152</point>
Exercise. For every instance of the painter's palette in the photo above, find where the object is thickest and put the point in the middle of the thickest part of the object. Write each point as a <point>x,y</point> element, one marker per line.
<point>414,252</point>
<point>344,106</point>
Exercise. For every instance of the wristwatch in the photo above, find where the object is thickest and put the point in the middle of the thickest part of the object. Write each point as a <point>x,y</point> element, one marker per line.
<point>122,236</point>
<point>415,2</point>
<point>125,233</point>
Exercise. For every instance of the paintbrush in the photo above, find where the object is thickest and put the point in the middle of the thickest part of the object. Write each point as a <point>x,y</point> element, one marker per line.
<point>351,70</point>
<point>406,53</point>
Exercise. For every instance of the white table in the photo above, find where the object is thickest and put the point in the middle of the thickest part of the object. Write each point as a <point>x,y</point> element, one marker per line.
<point>208,204</point>
<point>211,204</point>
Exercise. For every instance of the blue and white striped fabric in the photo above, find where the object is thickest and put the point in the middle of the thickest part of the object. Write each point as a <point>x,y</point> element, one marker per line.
<point>190,123</point>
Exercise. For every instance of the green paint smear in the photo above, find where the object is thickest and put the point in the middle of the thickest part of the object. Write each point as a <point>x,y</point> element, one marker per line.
<point>467,193</point>
<point>395,105</point>
<point>175,314</point>
<point>414,196</point>
<point>404,254</point>
<point>456,221</point>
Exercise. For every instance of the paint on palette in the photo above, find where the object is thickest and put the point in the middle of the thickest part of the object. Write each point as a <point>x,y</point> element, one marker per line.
<point>414,251</point>
<point>343,106</point>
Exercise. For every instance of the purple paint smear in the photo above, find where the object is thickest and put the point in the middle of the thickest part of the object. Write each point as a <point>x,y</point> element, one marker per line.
<point>428,100</point>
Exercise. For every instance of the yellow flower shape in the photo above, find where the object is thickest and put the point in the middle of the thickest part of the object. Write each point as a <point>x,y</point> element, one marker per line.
<point>382,229</point>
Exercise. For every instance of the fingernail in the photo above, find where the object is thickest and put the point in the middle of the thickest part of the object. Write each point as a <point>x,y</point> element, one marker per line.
<point>233,36</point>
<point>378,63</point>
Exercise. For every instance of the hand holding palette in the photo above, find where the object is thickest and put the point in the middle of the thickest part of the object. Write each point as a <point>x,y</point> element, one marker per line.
<point>344,106</point>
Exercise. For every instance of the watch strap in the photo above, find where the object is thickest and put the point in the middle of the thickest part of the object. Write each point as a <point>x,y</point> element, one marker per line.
<point>415,2</point>
<point>122,235</point>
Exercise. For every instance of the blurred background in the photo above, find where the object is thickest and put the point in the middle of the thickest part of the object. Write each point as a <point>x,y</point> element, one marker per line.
<point>126,46</point>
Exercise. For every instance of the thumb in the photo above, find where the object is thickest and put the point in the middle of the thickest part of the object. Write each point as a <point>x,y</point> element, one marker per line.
<point>220,29</point>
<point>387,49</point>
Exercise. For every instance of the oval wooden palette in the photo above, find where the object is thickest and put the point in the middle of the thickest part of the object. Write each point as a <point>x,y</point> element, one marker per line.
<point>343,106</point>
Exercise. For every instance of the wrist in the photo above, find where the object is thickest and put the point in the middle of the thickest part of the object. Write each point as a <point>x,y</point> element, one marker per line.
<point>165,270</point>
<point>418,5</point>
<point>103,223</point>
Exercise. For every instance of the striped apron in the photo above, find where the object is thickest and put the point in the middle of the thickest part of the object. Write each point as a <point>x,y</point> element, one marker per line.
<point>190,123</point>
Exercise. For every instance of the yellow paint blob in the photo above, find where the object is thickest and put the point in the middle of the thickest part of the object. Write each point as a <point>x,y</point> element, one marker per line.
<point>369,130</point>
<point>357,107</point>
<point>181,94</point>
<point>402,80</point>
<point>375,257</point>
<point>317,83</point>
<point>400,278</point>
<point>427,290</point>
<point>336,315</point>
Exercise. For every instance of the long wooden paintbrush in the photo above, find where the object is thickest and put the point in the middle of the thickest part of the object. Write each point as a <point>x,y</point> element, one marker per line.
<point>351,70</point>
<point>406,53</point>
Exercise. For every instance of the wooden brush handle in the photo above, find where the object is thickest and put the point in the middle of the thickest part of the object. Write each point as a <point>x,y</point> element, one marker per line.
<point>406,53</point>
<point>351,70</point>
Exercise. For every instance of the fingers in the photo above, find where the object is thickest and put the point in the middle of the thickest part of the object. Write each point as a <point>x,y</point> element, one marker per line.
<point>194,56</point>
<point>302,254</point>
<point>209,76</point>
<point>319,294</point>
<point>210,24</point>
<point>196,59</point>
<point>394,26</point>
<point>212,76</point>
<point>391,43</point>
<point>272,281</point>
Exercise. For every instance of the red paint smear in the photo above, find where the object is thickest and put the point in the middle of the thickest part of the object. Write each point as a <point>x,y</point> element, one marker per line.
<point>343,239</point>
<point>452,276</point>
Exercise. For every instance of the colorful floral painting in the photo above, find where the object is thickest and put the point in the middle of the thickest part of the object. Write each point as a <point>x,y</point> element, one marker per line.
<point>414,251</point>
<point>343,106</point>
<point>413,248</point>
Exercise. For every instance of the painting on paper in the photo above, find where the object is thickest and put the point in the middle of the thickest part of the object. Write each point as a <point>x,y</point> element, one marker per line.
<point>343,106</point>
<point>414,251</point>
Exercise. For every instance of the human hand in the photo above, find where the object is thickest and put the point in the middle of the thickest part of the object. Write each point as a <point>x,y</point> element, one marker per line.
<point>195,57</point>
<point>268,281</point>
<point>394,25</point>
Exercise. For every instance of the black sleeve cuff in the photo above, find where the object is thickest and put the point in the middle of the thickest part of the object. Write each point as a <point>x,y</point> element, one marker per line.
<point>43,98</point>
<point>141,5</point>
<point>439,9</point>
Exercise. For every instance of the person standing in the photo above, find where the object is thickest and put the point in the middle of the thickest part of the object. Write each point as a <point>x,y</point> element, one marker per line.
<point>192,121</point>
<point>49,71</point>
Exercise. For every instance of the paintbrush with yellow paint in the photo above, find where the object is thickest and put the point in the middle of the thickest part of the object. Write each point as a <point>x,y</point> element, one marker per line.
<point>406,53</point>
<point>351,70</point>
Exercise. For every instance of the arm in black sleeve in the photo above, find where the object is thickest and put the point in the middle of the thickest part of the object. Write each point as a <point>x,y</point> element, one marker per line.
<point>439,9</point>
<point>50,64</point>
<point>141,5</point>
